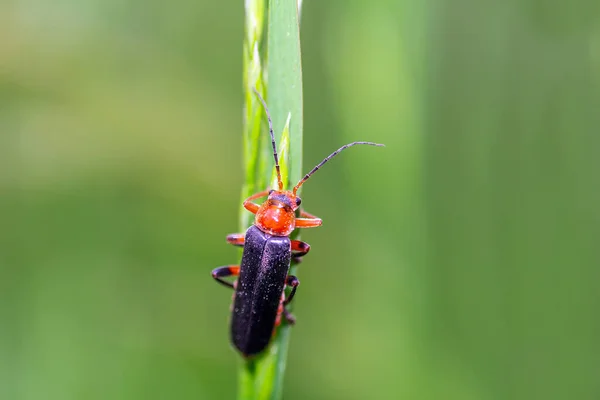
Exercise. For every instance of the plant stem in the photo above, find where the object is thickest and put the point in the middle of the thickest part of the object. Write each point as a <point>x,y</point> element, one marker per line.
<point>262,377</point>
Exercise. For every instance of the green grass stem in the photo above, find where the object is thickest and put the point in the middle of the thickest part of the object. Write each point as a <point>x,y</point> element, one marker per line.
<point>278,59</point>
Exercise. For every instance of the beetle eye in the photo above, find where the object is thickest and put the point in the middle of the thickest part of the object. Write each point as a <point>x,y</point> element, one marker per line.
<point>298,201</point>
<point>271,191</point>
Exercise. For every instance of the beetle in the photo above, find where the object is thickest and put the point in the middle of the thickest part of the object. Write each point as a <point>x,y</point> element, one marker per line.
<point>259,299</point>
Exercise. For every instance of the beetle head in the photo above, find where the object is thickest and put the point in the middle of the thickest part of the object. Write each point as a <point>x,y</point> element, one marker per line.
<point>285,198</point>
<point>276,216</point>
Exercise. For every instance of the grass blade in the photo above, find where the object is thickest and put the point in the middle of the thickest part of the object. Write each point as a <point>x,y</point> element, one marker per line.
<point>262,377</point>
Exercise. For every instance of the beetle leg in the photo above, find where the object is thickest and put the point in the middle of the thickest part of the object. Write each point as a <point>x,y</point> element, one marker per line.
<point>222,272</point>
<point>289,317</point>
<point>300,248</point>
<point>310,222</point>
<point>308,215</point>
<point>292,281</point>
<point>236,239</point>
<point>253,207</point>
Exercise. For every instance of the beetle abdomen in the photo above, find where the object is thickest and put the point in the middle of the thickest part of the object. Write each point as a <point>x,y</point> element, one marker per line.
<point>263,270</point>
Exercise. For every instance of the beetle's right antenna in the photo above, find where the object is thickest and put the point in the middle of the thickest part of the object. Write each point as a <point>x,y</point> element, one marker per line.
<point>279,182</point>
<point>329,157</point>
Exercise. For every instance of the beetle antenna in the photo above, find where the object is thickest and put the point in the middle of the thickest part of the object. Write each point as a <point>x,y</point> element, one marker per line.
<point>329,157</point>
<point>279,182</point>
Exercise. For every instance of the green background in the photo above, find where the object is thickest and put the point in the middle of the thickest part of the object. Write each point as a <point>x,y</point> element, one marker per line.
<point>460,262</point>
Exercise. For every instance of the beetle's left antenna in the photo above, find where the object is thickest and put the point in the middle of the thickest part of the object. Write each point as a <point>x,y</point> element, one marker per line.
<point>279,182</point>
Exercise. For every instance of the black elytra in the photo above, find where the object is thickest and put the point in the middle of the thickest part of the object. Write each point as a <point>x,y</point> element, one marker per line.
<point>263,272</point>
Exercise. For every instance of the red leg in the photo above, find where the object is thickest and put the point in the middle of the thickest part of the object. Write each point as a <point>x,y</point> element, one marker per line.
<point>309,220</point>
<point>301,248</point>
<point>236,239</point>
<point>280,310</point>
<point>253,207</point>
<point>308,215</point>
<point>222,272</point>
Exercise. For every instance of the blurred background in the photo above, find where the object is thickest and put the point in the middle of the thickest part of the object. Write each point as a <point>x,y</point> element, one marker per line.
<point>460,262</point>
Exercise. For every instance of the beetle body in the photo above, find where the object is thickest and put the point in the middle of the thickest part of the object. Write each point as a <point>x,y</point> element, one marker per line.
<point>257,299</point>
